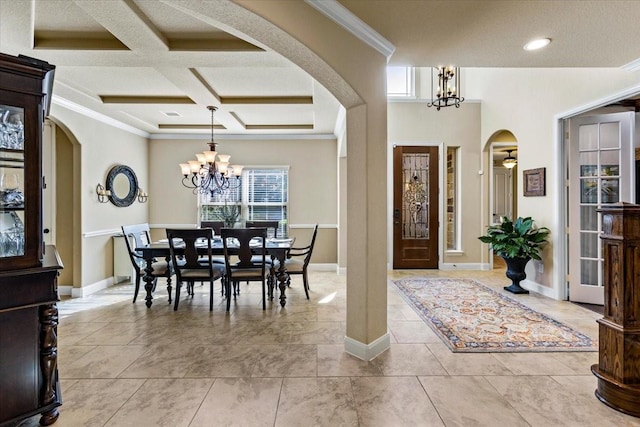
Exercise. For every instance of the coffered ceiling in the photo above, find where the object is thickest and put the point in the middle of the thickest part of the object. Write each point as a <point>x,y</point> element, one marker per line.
<point>156,64</point>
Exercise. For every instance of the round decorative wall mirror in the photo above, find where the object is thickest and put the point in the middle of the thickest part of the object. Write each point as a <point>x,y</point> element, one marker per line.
<point>123,184</point>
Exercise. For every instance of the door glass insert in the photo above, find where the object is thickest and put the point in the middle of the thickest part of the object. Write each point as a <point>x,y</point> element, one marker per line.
<point>415,196</point>
<point>599,157</point>
<point>12,236</point>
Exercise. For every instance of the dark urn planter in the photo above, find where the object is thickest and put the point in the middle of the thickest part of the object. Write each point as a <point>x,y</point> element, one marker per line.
<point>515,272</point>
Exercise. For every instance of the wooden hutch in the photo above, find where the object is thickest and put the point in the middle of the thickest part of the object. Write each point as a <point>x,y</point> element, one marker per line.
<point>618,368</point>
<point>29,382</point>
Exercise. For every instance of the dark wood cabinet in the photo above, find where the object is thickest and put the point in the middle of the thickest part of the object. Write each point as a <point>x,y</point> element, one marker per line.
<point>29,382</point>
<point>618,368</point>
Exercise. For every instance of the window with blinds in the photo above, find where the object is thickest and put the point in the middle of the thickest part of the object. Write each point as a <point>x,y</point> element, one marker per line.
<point>263,195</point>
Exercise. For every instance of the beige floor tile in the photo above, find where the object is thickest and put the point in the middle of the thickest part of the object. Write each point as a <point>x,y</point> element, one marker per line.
<point>170,361</point>
<point>101,362</point>
<point>239,402</point>
<point>225,361</point>
<point>468,363</point>
<point>70,333</point>
<point>286,361</point>
<point>535,364</point>
<point>480,406</point>
<point>333,361</point>
<point>163,403</point>
<point>88,403</point>
<point>412,331</point>
<point>541,401</point>
<point>316,402</point>
<point>409,359</point>
<point>393,401</point>
<point>318,333</point>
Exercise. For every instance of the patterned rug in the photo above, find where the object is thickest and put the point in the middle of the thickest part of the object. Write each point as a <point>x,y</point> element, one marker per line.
<point>471,317</point>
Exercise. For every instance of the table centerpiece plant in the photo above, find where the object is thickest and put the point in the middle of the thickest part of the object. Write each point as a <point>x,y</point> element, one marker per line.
<point>517,242</point>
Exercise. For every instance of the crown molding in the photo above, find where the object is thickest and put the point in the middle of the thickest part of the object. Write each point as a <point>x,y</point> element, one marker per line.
<point>87,112</point>
<point>350,22</point>
<point>235,136</point>
<point>632,66</point>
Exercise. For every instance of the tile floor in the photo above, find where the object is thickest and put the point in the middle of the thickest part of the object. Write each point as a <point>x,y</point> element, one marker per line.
<point>122,364</point>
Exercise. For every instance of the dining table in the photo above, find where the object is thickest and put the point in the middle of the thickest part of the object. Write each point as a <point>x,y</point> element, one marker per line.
<point>276,248</point>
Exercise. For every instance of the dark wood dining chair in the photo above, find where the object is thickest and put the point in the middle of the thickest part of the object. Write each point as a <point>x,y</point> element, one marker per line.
<point>135,236</point>
<point>215,225</point>
<point>271,226</point>
<point>188,247</point>
<point>298,259</point>
<point>247,253</point>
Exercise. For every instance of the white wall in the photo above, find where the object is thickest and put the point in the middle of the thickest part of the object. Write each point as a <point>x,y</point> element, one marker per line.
<point>413,123</point>
<point>313,185</point>
<point>103,146</point>
<point>528,102</point>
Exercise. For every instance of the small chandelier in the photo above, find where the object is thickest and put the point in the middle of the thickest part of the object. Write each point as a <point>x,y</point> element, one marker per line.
<point>509,162</point>
<point>208,175</point>
<point>448,94</point>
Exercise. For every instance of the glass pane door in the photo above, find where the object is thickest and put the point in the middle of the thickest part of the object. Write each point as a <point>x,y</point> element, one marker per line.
<point>598,145</point>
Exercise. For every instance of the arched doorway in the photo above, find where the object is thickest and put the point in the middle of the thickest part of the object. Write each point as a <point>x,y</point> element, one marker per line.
<point>502,169</point>
<point>63,208</point>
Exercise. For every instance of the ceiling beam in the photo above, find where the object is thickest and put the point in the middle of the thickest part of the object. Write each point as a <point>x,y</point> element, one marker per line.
<point>257,100</point>
<point>143,99</point>
<point>127,23</point>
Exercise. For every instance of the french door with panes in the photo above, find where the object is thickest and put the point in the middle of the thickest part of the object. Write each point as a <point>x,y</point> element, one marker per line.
<point>600,173</point>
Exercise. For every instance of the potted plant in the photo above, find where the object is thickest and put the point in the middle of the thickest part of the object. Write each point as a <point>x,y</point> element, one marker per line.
<point>516,242</point>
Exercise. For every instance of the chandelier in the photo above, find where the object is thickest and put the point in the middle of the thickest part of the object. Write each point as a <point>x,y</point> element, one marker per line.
<point>509,162</point>
<point>448,94</point>
<point>208,175</point>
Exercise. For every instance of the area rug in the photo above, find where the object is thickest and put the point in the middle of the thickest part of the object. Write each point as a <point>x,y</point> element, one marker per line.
<point>471,317</point>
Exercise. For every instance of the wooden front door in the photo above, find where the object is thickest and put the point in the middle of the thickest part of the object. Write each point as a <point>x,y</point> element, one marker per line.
<point>415,207</point>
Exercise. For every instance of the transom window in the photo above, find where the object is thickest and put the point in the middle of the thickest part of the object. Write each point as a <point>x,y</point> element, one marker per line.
<point>401,82</point>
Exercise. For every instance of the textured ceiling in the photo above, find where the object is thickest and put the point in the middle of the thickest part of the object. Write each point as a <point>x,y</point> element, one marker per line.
<point>137,60</point>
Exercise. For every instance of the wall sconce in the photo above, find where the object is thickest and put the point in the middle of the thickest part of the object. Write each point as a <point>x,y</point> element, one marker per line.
<point>142,196</point>
<point>103,194</point>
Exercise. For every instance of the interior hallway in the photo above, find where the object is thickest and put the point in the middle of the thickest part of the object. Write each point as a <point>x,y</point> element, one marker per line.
<point>122,364</point>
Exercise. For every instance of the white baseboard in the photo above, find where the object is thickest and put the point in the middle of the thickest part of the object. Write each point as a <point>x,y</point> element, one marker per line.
<point>65,290</point>
<point>367,352</point>
<point>342,271</point>
<point>85,290</point>
<point>322,267</point>
<point>464,266</point>
<point>536,287</point>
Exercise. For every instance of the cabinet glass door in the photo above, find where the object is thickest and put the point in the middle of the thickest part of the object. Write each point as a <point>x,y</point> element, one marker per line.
<point>12,167</point>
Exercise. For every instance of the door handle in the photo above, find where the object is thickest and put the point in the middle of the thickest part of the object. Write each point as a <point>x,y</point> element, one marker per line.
<point>396,216</point>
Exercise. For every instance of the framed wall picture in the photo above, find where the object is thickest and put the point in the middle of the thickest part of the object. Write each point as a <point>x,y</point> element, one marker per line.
<point>534,182</point>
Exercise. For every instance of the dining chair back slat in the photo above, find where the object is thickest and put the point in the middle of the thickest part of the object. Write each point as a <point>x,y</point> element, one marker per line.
<point>271,226</point>
<point>191,264</point>
<point>215,225</point>
<point>249,262</point>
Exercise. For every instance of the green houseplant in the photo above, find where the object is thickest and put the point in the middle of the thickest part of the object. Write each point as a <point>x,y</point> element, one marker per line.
<point>516,242</point>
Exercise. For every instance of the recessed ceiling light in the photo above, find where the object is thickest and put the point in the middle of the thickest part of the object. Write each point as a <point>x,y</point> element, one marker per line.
<point>171,113</point>
<point>537,44</point>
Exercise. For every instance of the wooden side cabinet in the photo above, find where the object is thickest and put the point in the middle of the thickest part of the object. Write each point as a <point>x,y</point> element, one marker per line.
<point>29,382</point>
<point>618,368</point>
